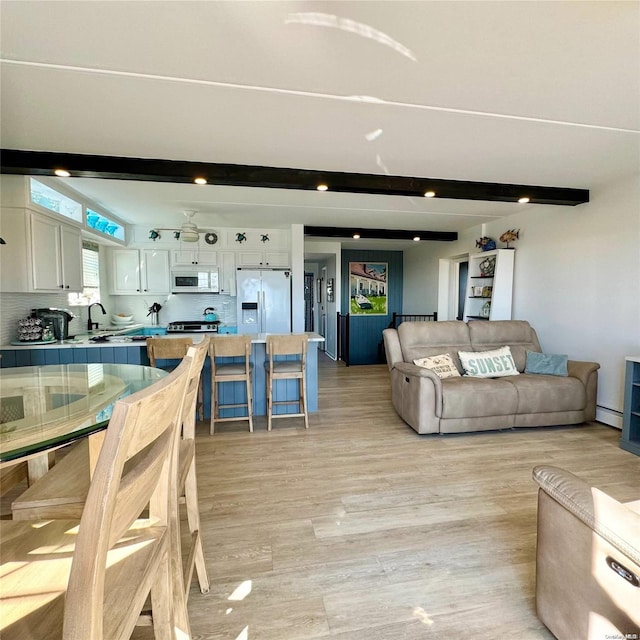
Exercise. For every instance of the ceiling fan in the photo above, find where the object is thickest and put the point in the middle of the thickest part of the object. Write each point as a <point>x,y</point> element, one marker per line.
<point>188,232</point>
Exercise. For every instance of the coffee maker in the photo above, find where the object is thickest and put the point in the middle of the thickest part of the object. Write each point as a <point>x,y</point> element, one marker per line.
<point>57,318</point>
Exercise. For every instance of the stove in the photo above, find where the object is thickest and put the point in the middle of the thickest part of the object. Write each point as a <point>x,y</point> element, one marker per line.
<point>193,326</point>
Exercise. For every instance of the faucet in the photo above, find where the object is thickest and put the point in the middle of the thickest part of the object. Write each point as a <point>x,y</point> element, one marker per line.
<point>94,325</point>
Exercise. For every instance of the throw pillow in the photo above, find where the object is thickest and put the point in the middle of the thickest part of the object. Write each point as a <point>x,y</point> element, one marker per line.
<point>488,364</point>
<point>442,365</point>
<point>546,363</point>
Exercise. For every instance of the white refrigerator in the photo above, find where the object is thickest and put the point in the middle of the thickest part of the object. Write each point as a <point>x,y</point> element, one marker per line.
<point>263,300</point>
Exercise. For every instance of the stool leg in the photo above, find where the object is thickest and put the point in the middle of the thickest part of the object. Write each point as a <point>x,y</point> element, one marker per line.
<point>303,399</point>
<point>269,401</point>
<point>249,404</point>
<point>214,405</point>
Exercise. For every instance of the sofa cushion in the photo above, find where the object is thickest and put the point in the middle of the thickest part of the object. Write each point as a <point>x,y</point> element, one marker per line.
<point>442,365</point>
<point>466,397</point>
<point>423,339</point>
<point>546,363</point>
<point>548,394</point>
<point>518,334</point>
<point>488,364</point>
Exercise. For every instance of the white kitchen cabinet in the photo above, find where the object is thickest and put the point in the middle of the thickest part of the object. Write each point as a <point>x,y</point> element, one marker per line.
<point>227,277</point>
<point>14,262</point>
<point>140,271</point>
<point>189,257</point>
<point>56,255</point>
<point>263,259</point>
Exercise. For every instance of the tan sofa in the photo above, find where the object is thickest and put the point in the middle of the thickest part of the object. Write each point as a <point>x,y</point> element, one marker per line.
<point>433,405</point>
<point>587,560</point>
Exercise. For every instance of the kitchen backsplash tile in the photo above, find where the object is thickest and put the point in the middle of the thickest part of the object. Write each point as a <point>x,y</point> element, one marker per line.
<point>15,306</point>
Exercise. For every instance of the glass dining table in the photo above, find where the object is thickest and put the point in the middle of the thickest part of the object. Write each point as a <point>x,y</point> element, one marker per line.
<point>46,407</point>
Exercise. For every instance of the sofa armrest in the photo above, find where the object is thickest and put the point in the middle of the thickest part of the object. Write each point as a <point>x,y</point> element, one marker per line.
<point>410,369</point>
<point>581,370</point>
<point>392,347</point>
<point>610,519</point>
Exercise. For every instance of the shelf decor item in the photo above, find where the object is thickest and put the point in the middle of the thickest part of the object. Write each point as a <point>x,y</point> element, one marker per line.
<point>488,267</point>
<point>486,244</point>
<point>509,236</point>
<point>485,312</point>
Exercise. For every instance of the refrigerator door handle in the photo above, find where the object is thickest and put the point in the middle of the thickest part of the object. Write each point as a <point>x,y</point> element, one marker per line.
<point>263,320</point>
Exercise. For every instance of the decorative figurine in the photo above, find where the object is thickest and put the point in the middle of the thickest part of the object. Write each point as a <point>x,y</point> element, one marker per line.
<point>241,237</point>
<point>486,244</point>
<point>153,235</point>
<point>264,237</point>
<point>509,236</point>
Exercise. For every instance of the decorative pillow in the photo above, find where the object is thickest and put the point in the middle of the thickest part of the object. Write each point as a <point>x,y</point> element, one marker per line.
<point>488,364</point>
<point>546,363</point>
<point>442,365</point>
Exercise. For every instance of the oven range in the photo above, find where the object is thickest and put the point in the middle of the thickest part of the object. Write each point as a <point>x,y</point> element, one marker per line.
<point>193,326</point>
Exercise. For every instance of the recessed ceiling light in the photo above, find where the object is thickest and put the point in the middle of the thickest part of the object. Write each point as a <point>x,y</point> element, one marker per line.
<point>200,181</point>
<point>524,200</point>
<point>356,236</point>
<point>429,194</point>
<point>416,239</point>
<point>322,187</point>
<point>62,173</point>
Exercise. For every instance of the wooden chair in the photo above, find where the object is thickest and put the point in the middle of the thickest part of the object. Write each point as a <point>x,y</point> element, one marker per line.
<point>294,348</point>
<point>62,492</point>
<point>91,581</point>
<point>230,347</point>
<point>172,349</point>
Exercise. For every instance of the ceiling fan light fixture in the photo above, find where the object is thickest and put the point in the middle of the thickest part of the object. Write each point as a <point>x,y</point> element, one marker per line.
<point>189,235</point>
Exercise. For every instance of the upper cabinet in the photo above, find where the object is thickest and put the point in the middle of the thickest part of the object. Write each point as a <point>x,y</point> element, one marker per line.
<point>56,255</point>
<point>42,254</point>
<point>490,285</point>
<point>263,259</point>
<point>139,271</point>
<point>189,257</point>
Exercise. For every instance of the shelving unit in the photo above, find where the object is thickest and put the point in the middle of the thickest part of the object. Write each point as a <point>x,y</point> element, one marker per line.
<point>630,439</point>
<point>489,291</point>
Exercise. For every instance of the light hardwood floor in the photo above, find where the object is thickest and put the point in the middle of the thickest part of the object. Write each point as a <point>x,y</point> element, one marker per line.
<point>360,529</point>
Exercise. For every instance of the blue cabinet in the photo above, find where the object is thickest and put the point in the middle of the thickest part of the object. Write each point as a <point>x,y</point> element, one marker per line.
<point>630,439</point>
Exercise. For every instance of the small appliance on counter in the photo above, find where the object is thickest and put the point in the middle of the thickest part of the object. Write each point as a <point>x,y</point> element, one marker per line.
<point>193,326</point>
<point>57,318</point>
<point>210,315</point>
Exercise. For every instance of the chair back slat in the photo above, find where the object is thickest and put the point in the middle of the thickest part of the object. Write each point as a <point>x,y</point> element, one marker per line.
<point>198,354</point>
<point>167,348</point>
<point>230,346</point>
<point>286,345</point>
<point>137,466</point>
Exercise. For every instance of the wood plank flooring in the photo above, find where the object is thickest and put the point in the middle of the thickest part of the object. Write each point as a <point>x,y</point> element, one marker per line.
<point>360,529</point>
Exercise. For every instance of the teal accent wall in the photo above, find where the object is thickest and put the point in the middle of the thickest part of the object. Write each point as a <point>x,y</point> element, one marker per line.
<point>366,331</point>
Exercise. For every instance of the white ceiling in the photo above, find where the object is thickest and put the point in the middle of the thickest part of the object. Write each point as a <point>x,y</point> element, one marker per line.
<point>543,93</point>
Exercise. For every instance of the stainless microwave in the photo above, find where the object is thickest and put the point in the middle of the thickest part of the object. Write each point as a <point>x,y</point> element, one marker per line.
<point>195,281</point>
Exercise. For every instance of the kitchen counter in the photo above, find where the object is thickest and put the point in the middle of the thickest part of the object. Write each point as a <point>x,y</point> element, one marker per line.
<point>135,352</point>
<point>83,341</point>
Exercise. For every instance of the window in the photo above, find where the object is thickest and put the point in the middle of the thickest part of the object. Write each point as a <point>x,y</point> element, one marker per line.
<point>102,224</point>
<point>55,201</point>
<point>90,276</point>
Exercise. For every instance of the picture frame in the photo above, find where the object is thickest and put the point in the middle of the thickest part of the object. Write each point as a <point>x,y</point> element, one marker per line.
<point>330,290</point>
<point>368,288</point>
<point>476,292</point>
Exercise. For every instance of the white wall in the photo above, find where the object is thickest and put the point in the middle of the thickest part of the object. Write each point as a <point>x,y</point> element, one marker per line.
<point>577,280</point>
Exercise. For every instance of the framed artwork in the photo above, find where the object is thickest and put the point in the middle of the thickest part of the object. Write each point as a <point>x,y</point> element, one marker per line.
<point>330,290</point>
<point>368,288</point>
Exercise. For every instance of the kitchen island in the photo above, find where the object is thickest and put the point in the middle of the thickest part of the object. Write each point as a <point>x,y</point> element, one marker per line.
<point>134,351</point>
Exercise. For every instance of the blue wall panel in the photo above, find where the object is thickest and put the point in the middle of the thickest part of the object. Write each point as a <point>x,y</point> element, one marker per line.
<point>365,333</point>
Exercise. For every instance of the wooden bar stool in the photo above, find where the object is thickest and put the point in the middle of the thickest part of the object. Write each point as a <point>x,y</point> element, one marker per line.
<point>230,347</point>
<point>279,346</point>
<point>173,349</point>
